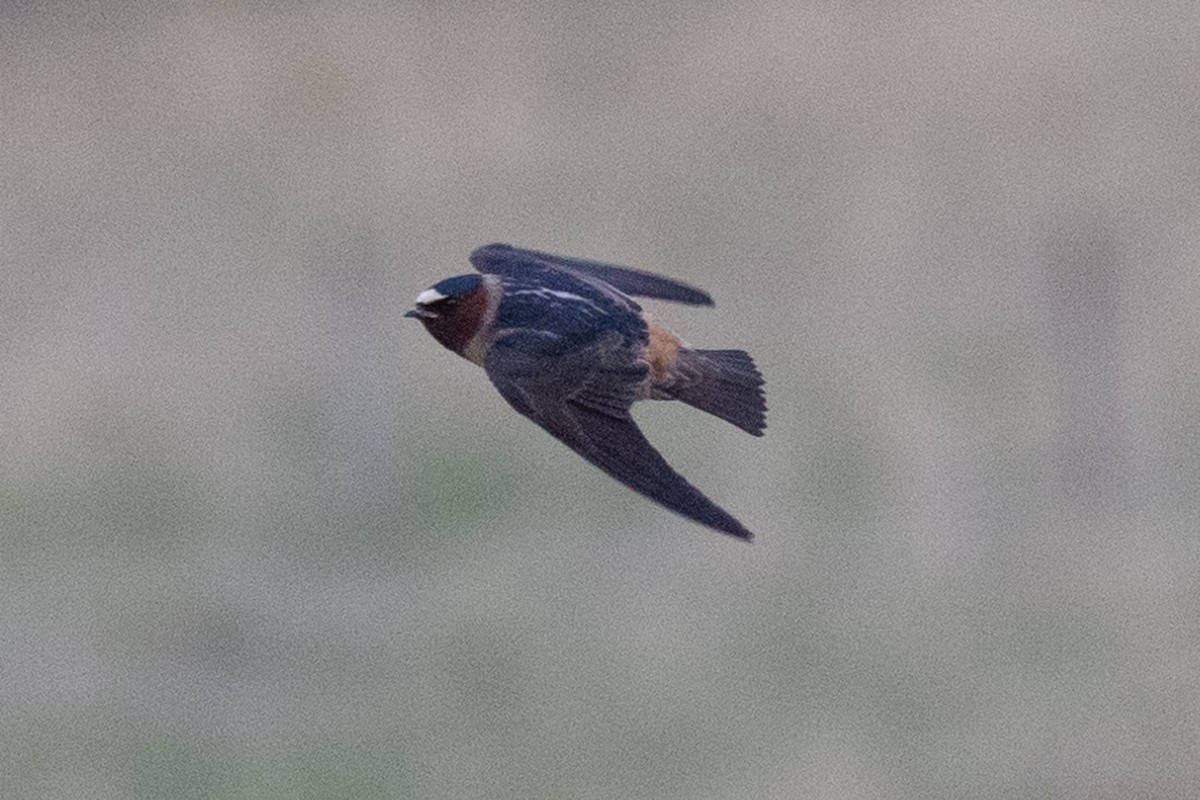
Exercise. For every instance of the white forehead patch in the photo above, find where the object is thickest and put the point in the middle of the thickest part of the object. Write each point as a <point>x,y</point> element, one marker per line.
<point>429,296</point>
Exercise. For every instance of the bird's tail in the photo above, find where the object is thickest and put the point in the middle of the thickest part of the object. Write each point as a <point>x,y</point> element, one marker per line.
<point>725,383</point>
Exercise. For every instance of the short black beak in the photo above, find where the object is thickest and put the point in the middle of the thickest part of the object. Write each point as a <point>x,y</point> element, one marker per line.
<point>420,313</point>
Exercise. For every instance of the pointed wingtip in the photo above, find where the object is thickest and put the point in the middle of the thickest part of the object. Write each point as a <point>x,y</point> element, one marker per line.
<point>740,532</point>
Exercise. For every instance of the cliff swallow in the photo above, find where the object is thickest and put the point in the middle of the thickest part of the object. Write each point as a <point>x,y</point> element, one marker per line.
<point>565,345</point>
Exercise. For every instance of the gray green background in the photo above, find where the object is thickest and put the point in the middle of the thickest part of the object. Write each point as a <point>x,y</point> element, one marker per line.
<point>261,537</point>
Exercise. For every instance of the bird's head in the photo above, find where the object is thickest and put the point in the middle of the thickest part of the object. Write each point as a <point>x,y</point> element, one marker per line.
<point>453,310</point>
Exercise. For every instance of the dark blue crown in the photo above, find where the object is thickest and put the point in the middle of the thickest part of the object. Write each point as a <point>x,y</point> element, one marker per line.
<point>458,285</point>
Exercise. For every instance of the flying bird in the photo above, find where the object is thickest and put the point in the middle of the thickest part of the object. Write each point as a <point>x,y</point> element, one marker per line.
<point>567,347</point>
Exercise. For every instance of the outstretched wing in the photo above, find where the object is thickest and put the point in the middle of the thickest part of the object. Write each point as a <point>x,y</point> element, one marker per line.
<point>515,262</point>
<point>585,405</point>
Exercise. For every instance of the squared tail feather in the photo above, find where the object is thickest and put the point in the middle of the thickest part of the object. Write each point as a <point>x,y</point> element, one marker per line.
<point>724,383</point>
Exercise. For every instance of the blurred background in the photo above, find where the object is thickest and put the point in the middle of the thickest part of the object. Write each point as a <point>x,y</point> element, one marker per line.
<point>262,537</point>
